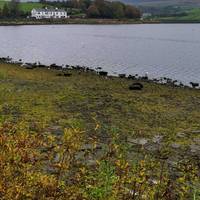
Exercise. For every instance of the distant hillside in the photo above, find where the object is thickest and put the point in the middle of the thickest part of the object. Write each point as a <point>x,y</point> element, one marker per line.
<point>168,8</point>
<point>156,3</point>
<point>149,3</point>
<point>192,15</point>
<point>24,6</point>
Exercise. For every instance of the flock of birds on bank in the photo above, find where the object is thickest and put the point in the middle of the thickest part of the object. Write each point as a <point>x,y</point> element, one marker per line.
<point>134,86</point>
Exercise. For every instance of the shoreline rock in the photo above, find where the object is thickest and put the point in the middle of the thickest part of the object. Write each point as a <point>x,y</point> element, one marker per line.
<point>100,72</point>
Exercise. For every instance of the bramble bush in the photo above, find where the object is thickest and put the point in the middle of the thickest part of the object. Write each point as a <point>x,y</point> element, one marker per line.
<point>36,165</point>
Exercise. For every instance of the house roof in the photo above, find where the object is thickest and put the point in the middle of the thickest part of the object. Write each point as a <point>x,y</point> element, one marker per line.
<point>48,10</point>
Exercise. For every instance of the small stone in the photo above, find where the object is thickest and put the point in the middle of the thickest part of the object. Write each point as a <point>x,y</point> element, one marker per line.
<point>87,147</point>
<point>157,138</point>
<point>196,132</point>
<point>141,141</point>
<point>175,145</point>
<point>91,162</point>
<point>194,148</point>
<point>181,135</point>
<point>57,130</point>
<point>153,181</point>
<point>153,147</point>
<point>197,140</point>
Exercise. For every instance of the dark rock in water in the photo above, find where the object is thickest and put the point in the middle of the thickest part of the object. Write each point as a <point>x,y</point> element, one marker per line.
<point>103,73</point>
<point>194,85</point>
<point>82,68</point>
<point>175,82</point>
<point>169,81</point>
<point>28,66</point>
<point>144,78</point>
<point>78,67</point>
<point>122,75</point>
<point>155,80</point>
<point>67,66</point>
<point>90,70</point>
<point>72,67</point>
<point>5,59</point>
<point>136,86</point>
<point>18,62</point>
<point>181,84</point>
<point>131,77</point>
<point>87,69</point>
<point>54,66</point>
<point>98,68</point>
<point>41,65</point>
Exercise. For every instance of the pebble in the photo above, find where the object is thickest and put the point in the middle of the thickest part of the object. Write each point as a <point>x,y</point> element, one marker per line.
<point>157,138</point>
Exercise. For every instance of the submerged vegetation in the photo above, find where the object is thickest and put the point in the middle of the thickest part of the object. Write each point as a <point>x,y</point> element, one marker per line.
<point>89,137</point>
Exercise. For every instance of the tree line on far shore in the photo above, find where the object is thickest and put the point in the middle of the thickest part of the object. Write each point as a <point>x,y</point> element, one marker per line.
<point>11,10</point>
<point>91,9</point>
<point>99,8</point>
<point>106,9</point>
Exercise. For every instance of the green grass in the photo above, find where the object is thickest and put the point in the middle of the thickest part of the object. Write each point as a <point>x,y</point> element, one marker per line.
<point>2,4</point>
<point>28,6</point>
<point>76,137</point>
<point>191,15</point>
<point>25,6</point>
<point>84,96</point>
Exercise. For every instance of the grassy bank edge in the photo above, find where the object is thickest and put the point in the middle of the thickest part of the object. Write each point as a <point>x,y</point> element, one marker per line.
<point>19,22</point>
<point>72,21</point>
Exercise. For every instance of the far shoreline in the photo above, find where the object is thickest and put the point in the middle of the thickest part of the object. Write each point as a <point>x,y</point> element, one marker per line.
<point>167,81</point>
<point>78,21</point>
<point>89,21</point>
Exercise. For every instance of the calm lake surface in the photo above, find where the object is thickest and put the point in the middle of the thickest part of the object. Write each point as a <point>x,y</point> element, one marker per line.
<point>171,50</point>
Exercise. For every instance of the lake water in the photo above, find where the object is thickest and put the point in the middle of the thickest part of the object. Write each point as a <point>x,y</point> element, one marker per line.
<point>171,50</point>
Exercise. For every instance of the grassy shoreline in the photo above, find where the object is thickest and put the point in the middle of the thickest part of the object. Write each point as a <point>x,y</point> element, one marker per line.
<point>72,21</point>
<point>20,22</point>
<point>85,136</point>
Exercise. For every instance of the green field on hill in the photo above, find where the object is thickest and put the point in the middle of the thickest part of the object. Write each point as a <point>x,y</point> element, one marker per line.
<point>2,4</point>
<point>190,16</point>
<point>193,14</point>
<point>25,6</point>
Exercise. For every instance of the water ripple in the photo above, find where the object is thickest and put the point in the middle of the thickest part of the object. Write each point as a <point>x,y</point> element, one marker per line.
<point>161,50</point>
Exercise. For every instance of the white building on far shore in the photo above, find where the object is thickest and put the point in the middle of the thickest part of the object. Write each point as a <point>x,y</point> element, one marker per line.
<point>146,15</point>
<point>46,13</point>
